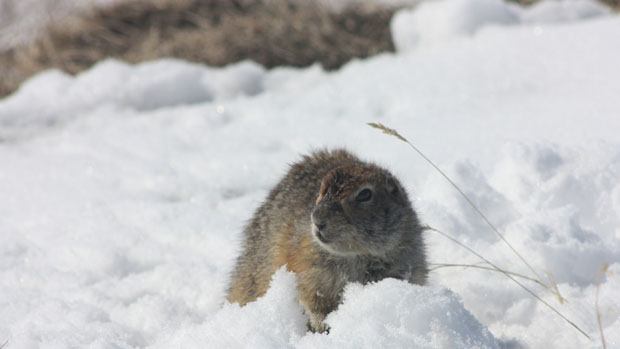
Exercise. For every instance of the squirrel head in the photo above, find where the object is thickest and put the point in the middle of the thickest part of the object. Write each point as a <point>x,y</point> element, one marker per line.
<point>360,210</point>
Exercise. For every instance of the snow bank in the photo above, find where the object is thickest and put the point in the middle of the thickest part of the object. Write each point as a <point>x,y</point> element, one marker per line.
<point>549,11</point>
<point>395,314</point>
<point>273,321</point>
<point>390,313</point>
<point>122,205</point>
<point>570,192</point>
<point>53,96</point>
<point>435,22</point>
<point>555,203</point>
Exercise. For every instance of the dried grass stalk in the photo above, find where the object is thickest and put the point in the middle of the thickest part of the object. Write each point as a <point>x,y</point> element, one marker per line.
<point>553,289</point>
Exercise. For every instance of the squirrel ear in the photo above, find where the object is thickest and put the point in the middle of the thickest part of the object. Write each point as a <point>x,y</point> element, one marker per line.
<point>392,186</point>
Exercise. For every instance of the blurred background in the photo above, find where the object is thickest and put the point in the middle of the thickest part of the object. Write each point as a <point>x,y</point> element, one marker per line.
<point>73,35</point>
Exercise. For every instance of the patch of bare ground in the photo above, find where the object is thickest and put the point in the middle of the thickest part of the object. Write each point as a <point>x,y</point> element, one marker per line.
<point>215,32</point>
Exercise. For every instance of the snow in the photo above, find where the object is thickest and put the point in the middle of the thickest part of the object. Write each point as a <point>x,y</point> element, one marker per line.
<point>125,189</point>
<point>434,22</point>
<point>562,11</point>
<point>273,321</point>
<point>394,314</point>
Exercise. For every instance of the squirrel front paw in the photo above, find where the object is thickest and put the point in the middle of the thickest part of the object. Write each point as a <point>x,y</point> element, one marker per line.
<point>317,324</point>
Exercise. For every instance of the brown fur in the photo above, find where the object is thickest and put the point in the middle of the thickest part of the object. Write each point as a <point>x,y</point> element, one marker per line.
<point>314,224</point>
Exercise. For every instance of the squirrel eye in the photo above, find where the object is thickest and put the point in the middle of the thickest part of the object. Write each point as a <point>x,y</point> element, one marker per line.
<point>364,195</point>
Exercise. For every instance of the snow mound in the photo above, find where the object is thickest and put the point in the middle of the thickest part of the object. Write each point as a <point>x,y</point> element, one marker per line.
<point>116,85</point>
<point>439,21</point>
<point>558,205</point>
<point>275,320</point>
<point>436,22</point>
<point>395,314</point>
<point>550,11</point>
<point>390,313</point>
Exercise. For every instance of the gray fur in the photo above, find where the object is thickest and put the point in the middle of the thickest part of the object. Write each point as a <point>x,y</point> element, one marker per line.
<point>364,241</point>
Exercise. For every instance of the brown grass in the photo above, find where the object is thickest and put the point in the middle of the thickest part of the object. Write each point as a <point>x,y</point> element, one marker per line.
<point>270,32</point>
<point>215,32</point>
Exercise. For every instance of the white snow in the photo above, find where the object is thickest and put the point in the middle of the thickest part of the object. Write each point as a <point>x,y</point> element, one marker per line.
<point>547,11</point>
<point>273,321</point>
<point>435,22</point>
<point>394,314</point>
<point>124,191</point>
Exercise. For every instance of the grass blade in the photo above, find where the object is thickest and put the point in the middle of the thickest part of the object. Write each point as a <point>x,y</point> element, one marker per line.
<point>532,293</point>
<point>448,265</point>
<point>598,310</point>
<point>394,133</point>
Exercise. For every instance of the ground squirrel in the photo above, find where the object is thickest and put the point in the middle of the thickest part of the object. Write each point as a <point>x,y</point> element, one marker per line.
<point>332,219</point>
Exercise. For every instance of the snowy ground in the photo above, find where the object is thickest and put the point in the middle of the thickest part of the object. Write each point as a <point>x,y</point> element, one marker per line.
<point>124,190</point>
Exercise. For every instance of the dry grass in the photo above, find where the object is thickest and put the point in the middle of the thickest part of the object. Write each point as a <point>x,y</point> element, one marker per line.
<point>215,32</point>
<point>270,32</point>
<point>435,266</point>
<point>603,272</point>
<point>394,133</point>
<point>551,287</point>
